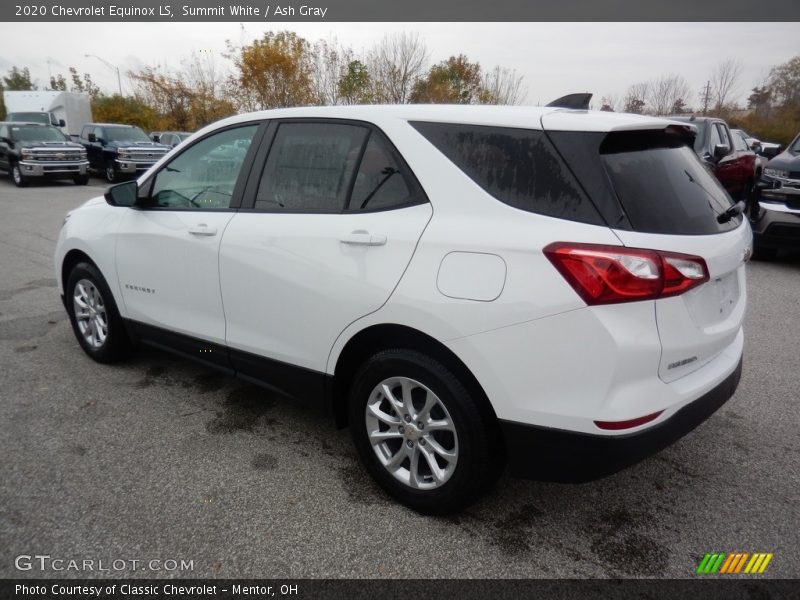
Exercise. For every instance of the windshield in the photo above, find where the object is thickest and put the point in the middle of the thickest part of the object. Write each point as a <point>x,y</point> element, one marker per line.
<point>795,146</point>
<point>30,117</point>
<point>183,136</point>
<point>126,134</point>
<point>35,133</point>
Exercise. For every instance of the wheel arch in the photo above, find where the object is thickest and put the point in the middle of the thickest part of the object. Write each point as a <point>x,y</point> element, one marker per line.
<point>376,338</point>
<point>72,258</point>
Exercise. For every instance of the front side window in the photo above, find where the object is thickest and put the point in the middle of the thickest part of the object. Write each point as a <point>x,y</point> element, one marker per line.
<point>204,175</point>
<point>310,166</point>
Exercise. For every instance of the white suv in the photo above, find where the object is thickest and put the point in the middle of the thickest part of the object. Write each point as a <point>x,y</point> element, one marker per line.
<point>466,287</point>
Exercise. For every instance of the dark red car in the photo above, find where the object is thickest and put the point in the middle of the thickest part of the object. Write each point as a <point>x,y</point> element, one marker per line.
<point>728,156</point>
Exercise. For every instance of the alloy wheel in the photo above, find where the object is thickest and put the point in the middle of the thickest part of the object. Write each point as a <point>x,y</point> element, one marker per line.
<point>412,433</point>
<point>90,313</point>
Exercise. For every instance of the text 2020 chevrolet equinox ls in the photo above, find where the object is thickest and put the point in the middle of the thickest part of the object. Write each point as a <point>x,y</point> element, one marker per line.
<point>466,287</point>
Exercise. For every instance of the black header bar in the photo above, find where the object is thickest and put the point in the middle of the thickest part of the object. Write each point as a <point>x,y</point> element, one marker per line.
<point>288,11</point>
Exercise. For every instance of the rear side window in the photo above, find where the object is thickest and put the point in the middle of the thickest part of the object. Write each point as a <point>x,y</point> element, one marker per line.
<point>380,181</point>
<point>309,167</point>
<point>663,186</point>
<point>519,167</point>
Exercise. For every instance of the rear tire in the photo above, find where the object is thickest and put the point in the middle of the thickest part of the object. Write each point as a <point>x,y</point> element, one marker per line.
<point>17,176</point>
<point>420,433</point>
<point>95,320</point>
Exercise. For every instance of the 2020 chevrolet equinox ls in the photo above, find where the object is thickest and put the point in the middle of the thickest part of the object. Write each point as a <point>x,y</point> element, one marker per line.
<point>467,287</point>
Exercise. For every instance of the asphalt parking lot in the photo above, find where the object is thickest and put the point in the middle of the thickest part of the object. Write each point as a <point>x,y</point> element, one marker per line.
<point>161,459</point>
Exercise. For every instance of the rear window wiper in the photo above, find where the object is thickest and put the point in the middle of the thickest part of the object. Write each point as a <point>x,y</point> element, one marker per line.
<point>734,210</point>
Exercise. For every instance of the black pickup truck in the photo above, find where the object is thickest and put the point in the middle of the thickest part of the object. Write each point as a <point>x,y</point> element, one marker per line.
<point>34,151</point>
<point>119,151</point>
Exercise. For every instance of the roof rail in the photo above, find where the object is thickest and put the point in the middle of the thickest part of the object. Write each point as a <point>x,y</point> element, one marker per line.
<point>579,101</point>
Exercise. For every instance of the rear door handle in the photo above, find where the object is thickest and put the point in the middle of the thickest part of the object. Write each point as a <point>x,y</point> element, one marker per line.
<point>203,229</point>
<point>360,237</point>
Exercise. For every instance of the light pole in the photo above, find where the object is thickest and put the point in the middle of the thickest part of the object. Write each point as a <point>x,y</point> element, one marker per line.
<point>110,66</point>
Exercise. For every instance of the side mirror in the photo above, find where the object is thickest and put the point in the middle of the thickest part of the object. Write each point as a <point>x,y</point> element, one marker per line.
<point>721,150</point>
<point>123,194</point>
<point>62,123</point>
<point>92,137</point>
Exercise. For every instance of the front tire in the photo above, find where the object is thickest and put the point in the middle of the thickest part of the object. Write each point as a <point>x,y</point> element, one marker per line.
<point>420,432</point>
<point>81,179</point>
<point>111,172</point>
<point>17,176</point>
<point>93,314</point>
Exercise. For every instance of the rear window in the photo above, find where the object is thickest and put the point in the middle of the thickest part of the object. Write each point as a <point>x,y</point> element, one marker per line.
<point>662,184</point>
<point>519,167</point>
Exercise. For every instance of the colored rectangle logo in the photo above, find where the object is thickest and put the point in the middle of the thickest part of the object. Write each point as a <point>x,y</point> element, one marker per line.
<point>734,563</point>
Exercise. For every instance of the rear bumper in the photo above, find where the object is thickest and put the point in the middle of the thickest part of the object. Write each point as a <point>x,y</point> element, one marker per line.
<point>549,454</point>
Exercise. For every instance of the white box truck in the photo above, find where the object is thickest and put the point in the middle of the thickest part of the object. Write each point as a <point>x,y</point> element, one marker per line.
<point>69,111</point>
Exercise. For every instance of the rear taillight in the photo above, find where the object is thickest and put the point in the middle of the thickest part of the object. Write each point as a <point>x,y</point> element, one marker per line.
<point>610,274</point>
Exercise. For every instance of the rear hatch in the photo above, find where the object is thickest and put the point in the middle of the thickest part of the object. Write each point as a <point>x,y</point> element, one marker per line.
<point>655,193</point>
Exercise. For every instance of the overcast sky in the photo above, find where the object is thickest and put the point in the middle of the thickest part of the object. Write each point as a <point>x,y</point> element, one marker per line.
<point>554,58</point>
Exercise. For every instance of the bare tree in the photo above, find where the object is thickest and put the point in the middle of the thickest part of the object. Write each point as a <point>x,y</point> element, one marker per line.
<point>395,64</point>
<point>330,62</point>
<point>724,81</point>
<point>610,103</point>
<point>503,86</point>
<point>636,98</point>
<point>666,93</point>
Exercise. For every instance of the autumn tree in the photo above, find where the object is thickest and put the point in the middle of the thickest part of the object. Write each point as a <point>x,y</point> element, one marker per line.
<point>452,81</point>
<point>169,96</point>
<point>124,109</point>
<point>272,72</point>
<point>77,84</point>
<point>784,83</point>
<point>355,84</point>
<point>206,83</point>
<point>395,64</point>
<point>760,100</point>
<point>83,84</point>
<point>18,80</point>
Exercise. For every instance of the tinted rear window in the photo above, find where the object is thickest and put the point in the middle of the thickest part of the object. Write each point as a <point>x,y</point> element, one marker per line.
<point>662,184</point>
<point>519,167</point>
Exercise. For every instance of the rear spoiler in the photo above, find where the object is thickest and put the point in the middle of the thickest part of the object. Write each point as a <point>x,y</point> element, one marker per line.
<point>578,101</point>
